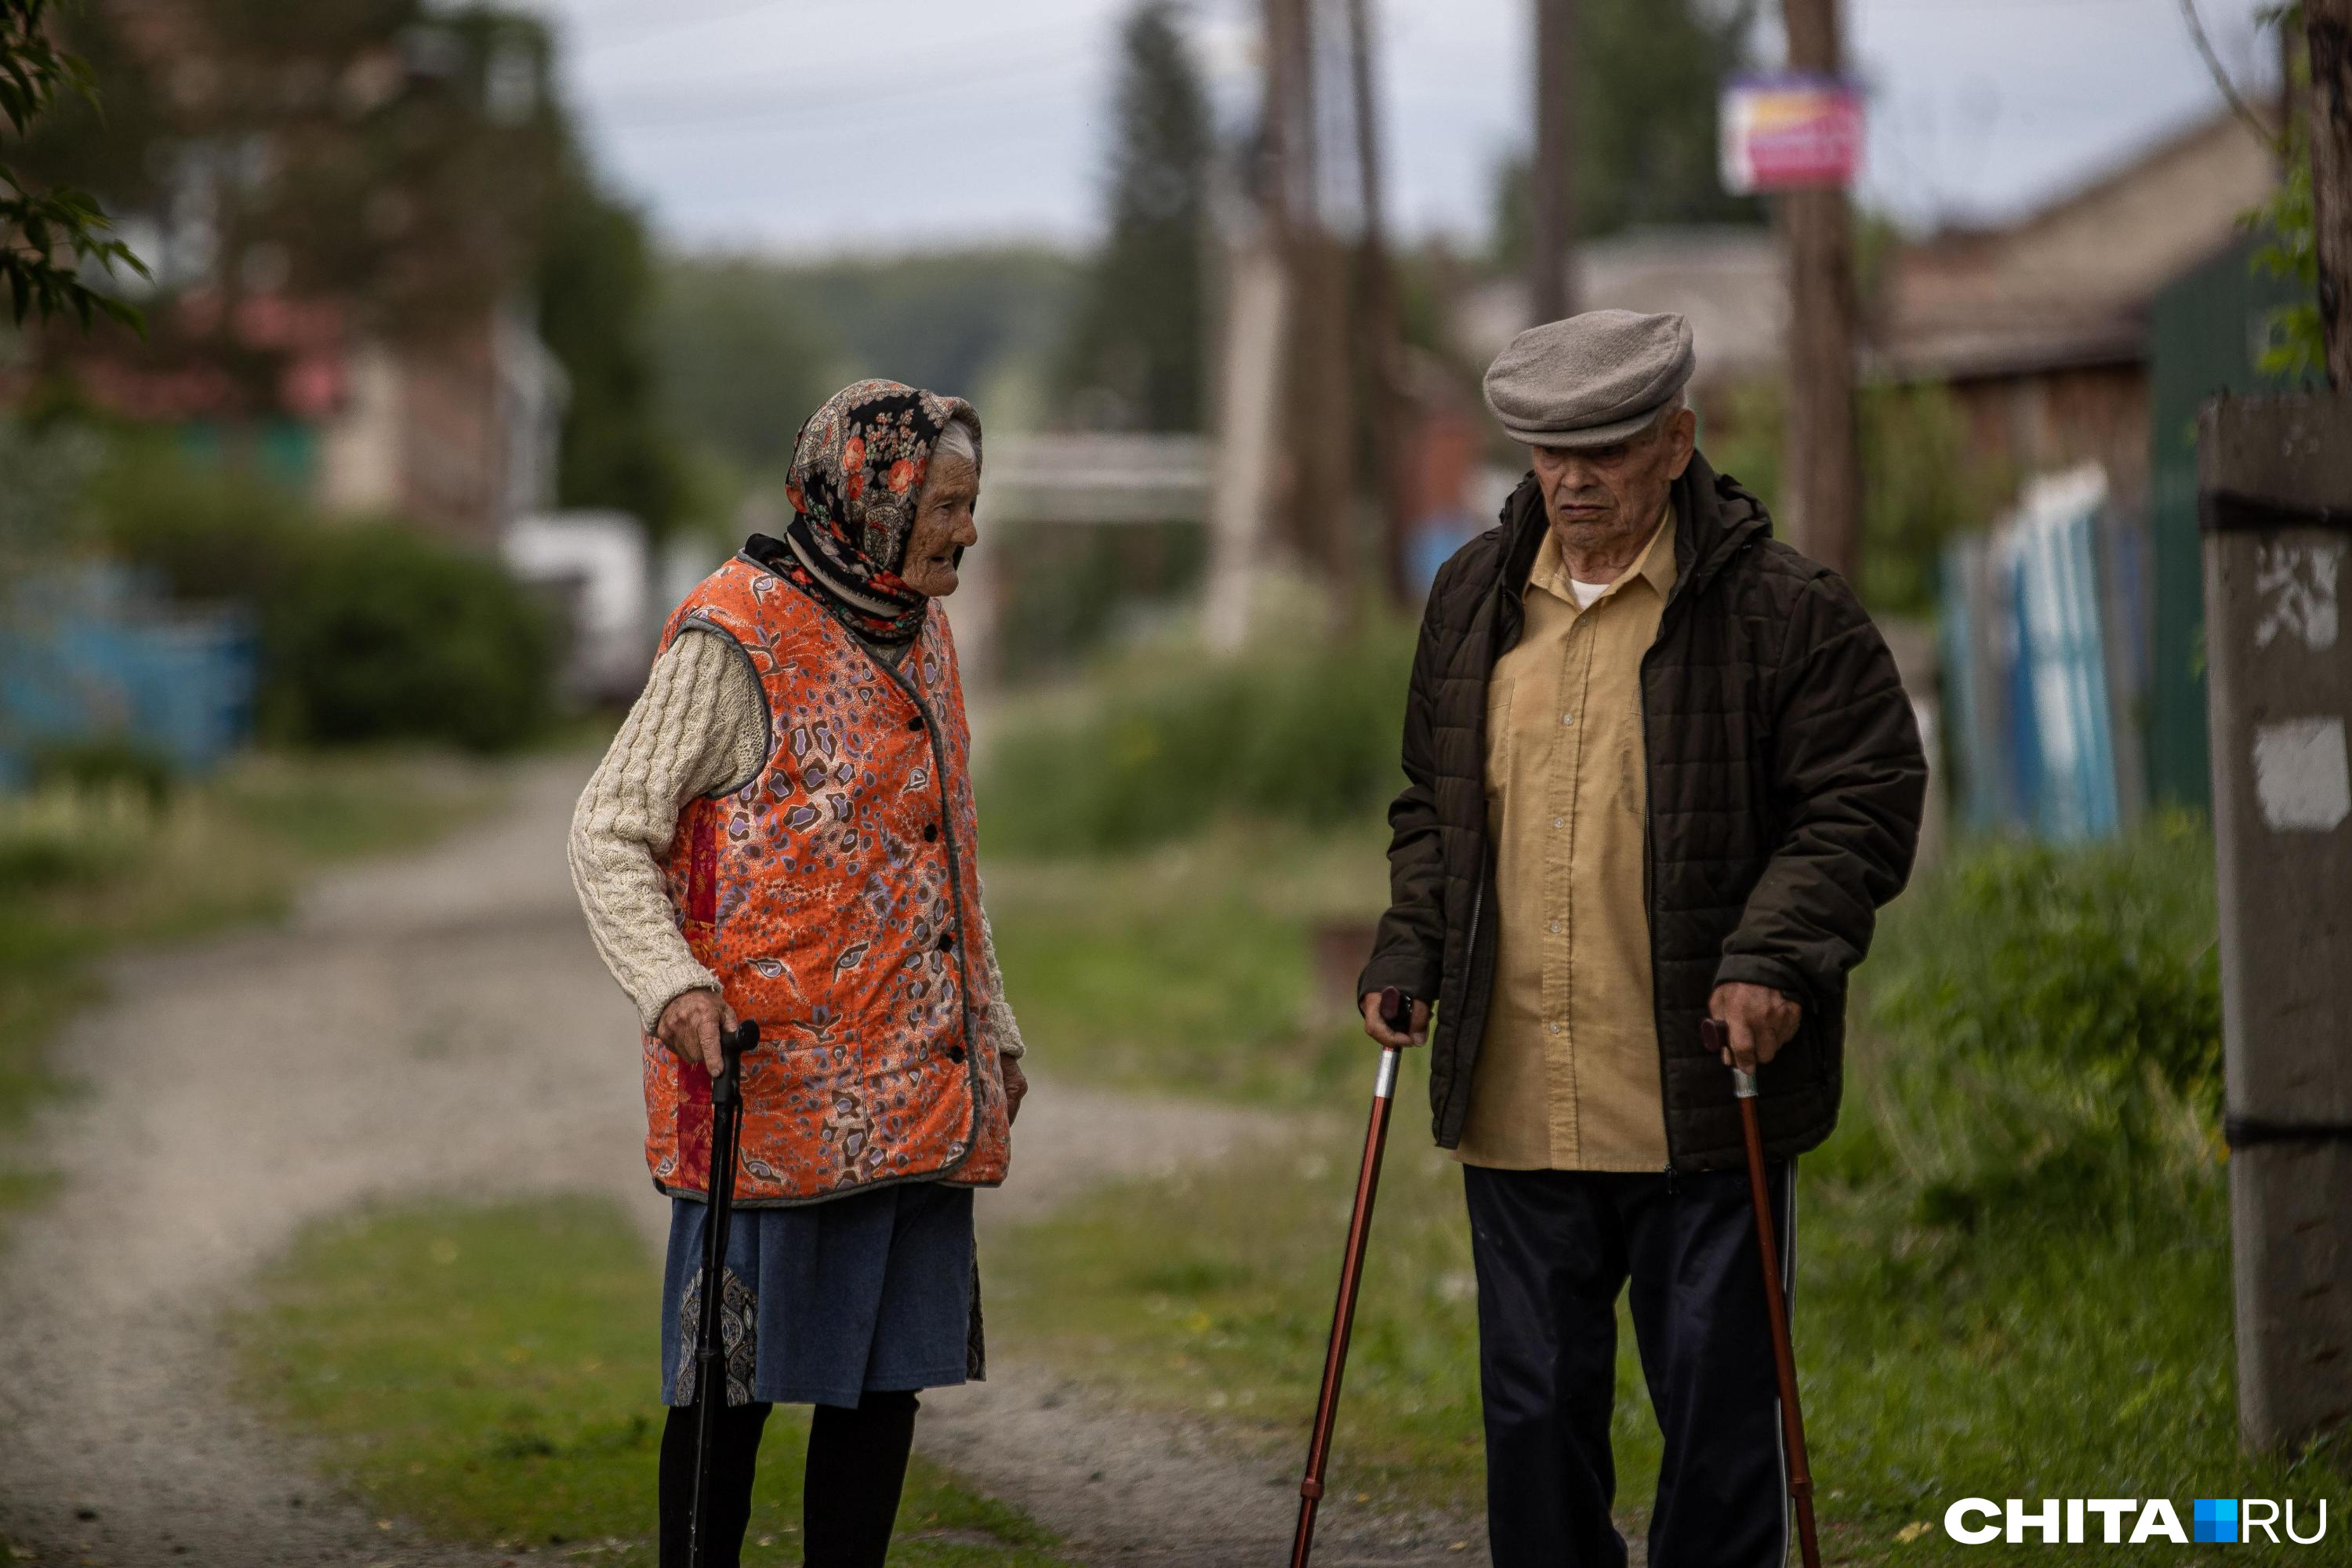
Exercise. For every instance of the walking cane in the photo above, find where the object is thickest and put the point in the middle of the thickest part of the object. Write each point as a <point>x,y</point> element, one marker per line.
<point>709,1353</point>
<point>1716,1036</point>
<point>1396,1012</point>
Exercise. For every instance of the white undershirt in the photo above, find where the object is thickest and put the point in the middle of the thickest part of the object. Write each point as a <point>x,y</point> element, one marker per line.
<point>1587,594</point>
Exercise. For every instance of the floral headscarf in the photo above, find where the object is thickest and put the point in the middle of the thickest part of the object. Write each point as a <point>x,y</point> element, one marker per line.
<point>857,470</point>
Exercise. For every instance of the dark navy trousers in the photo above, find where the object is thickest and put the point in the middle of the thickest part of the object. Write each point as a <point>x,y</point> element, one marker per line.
<point>1553,1249</point>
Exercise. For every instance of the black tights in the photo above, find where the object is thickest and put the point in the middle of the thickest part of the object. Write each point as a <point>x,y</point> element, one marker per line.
<point>849,1499</point>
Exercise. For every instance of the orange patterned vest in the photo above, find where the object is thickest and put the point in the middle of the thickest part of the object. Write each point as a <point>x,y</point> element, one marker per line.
<point>836,897</point>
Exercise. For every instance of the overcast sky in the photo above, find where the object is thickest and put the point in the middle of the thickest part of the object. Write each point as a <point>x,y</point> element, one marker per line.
<point>824,125</point>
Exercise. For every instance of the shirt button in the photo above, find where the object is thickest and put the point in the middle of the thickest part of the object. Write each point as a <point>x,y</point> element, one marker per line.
<point>1568,718</point>
<point>1551,1028</point>
<point>1555,928</point>
<point>1559,822</point>
<point>931,832</point>
<point>946,940</point>
<point>915,722</point>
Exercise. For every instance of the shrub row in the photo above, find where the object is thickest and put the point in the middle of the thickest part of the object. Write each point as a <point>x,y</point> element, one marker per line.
<point>1160,746</point>
<point>369,630</point>
<point>2049,1025</point>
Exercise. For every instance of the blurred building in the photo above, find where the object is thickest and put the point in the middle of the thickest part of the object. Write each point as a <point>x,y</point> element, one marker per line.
<point>455,429</point>
<point>340,220</point>
<point>1731,281</point>
<point>2080,342</point>
<point>2041,327</point>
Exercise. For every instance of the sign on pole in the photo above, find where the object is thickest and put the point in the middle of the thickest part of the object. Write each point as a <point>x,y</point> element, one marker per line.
<point>1790,130</point>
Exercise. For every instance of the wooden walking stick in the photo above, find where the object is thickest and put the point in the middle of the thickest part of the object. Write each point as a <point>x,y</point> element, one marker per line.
<point>1396,1012</point>
<point>1716,1036</point>
<point>709,1349</point>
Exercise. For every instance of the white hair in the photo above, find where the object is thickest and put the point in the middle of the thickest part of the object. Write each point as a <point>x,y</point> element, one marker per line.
<point>959,439</point>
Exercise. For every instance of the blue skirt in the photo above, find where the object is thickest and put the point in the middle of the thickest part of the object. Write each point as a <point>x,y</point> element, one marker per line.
<point>875,1291</point>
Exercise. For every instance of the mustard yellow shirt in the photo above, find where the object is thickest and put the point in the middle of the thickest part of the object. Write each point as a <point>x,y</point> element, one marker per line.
<point>1567,1077</point>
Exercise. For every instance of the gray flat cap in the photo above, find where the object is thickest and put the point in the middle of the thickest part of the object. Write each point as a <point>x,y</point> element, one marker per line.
<point>1592,379</point>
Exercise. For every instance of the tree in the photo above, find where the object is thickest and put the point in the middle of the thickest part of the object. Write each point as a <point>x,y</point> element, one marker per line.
<point>396,169</point>
<point>383,160</point>
<point>1136,357</point>
<point>741,367</point>
<point>48,235</point>
<point>1648,73</point>
<point>595,286</point>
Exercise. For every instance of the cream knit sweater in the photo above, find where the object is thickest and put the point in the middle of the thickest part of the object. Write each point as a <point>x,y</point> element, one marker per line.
<point>700,728</point>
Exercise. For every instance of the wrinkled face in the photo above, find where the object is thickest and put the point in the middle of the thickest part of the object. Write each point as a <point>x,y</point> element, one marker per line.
<point>1593,494</point>
<point>943,525</point>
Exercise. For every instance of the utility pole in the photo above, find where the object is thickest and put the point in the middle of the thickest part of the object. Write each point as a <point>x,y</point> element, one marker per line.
<point>1321,503</point>
<point>2275,507</point>
<point>1383,351</point>
<point>1821,493</point>
<point>1552,194</point>
<point>2328,29</point>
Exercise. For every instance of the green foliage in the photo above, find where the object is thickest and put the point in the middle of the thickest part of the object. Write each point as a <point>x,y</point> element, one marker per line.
<point>106,763</point>
<point>50,235</point>
<point>411,152</point>
<point>1070,591</point>
<point>1932,1365</point>
<point>2035,1009</point>
<point>1306,734</point>
<point>1648,74</point>
<point>740,364</point>
<point>2297,350</point>
<point>2051,1023</point>
<point>368,631</point>
<point>389,635</point>
<point>952,320</point>
<point>596,288</point>
<point>748,348</point>
<point>485,1374</point>
<point>1135,357</point>
<point>1189,969</point>
<point>1921,483</point>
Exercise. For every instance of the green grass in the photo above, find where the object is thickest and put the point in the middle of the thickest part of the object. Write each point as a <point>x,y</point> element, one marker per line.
<point>2007,1286</point>
<point>1935,1364</point>
<point>83,872</point>
<point>489,1375</point>
<point>1188,969</point>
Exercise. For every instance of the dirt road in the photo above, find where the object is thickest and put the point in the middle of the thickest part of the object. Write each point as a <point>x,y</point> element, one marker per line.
<point>440,1024</point>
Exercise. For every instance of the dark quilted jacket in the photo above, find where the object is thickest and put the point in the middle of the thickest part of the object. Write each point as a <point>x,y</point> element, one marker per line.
<point>1786,782</point>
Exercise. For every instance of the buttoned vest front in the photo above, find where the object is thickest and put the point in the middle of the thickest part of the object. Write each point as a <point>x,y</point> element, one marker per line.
<point>835,896</point>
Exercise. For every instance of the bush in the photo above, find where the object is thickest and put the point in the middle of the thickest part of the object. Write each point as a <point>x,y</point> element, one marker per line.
<point>2050,1021</point>
<point>1160,747</point>
<point>388,635</point>
<point>368,631</point>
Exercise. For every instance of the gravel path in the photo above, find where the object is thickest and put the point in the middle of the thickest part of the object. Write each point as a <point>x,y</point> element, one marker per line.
<point>440,1023</point>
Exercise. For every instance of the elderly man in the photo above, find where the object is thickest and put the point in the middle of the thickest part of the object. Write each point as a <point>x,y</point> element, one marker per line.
<point>1660,767</point>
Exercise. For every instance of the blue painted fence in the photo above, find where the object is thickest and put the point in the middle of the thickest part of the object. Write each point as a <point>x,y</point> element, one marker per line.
<point>86,656</point>
<point>2045,659</point>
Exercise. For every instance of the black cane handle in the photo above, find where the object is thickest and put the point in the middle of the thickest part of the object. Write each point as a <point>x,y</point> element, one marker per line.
<point>732,1043</point>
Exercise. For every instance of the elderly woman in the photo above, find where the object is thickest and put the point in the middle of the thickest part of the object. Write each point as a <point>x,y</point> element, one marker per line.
<point>783,829</point>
